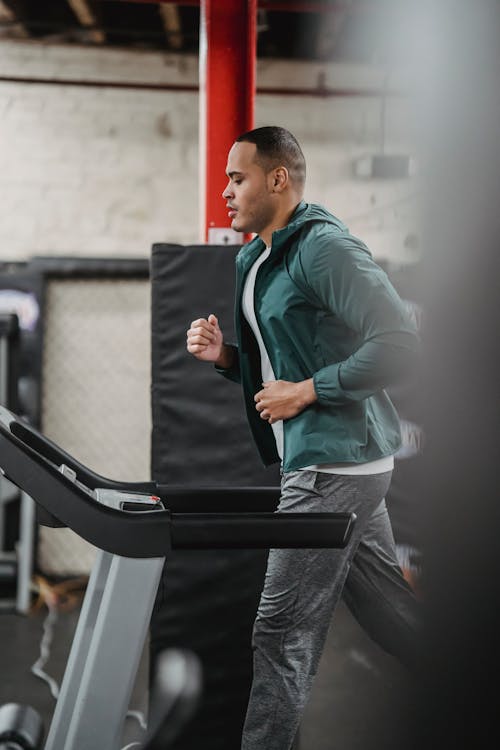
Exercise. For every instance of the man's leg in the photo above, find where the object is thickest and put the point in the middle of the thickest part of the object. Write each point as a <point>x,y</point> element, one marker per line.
<point>378,595</point>
<point>300,592</point>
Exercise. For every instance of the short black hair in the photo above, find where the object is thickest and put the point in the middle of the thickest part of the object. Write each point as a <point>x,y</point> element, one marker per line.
<point>277,147</point>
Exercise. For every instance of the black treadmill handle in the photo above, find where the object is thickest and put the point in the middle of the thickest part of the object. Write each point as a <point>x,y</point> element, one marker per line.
<point>152,533</point>
<point>261,530</point>
<point>52,453</point>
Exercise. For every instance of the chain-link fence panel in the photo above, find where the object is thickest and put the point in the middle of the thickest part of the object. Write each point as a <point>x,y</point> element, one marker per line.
<point>96,392</point>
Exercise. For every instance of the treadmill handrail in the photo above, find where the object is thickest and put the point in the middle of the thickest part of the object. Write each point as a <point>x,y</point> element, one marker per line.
<point>152,533</point>
<point>121,532</point>
<point>53,453</point>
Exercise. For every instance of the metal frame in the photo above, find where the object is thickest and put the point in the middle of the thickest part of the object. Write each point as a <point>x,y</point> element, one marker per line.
<point>105,655</point>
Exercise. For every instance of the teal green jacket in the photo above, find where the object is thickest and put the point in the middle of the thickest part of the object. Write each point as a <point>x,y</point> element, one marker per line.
<point>326,311</point>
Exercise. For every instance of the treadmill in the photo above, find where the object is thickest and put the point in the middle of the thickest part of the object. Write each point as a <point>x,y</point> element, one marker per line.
<point>134,525</point>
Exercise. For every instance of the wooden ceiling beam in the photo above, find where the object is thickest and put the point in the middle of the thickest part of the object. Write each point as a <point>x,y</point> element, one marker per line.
<point>172,24</point>
<point>10,26</point>
<point>88,19</point>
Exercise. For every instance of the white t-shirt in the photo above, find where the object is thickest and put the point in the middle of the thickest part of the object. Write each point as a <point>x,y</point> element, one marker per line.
<point>372,467</point>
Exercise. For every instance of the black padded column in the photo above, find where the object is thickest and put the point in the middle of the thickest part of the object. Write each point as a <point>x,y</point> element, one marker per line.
<point>200,434</point>
<point>206,600</point>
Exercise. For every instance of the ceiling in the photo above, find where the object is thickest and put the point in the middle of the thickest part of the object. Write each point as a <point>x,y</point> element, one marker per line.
<point>356,31</point>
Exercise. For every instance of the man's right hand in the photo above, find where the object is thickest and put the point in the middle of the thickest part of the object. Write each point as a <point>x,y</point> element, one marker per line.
<point>205,341</point>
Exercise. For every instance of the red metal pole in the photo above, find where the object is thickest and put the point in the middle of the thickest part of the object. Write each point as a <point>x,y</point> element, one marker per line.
<point>227,96</point>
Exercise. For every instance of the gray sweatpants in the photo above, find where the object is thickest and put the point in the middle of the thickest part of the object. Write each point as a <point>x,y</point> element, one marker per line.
<point>301,590</point>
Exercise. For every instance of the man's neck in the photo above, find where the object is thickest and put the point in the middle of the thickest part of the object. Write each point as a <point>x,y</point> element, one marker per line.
<point>280,222</point>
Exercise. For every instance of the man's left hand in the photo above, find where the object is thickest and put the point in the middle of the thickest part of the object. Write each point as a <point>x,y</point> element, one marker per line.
<point>280,399</point>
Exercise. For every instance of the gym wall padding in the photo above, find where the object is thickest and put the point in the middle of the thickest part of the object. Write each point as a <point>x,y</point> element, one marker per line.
<point>207,599</point>
<point>200,434</point>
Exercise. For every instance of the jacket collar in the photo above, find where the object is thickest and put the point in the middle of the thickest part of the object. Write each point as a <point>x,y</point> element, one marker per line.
<point>303,214</point>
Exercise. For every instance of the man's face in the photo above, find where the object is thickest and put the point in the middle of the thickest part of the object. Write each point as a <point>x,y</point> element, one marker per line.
<point>250,199</point>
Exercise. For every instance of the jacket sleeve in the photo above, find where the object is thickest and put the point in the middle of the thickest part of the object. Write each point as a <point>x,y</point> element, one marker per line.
<point>344,278</point>
<point>233,372</point>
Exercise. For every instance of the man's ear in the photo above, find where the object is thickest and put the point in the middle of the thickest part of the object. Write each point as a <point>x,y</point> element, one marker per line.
<point>280,179</point>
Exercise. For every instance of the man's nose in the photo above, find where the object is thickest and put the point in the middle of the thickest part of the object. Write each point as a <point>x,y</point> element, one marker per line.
<point>227,192</point>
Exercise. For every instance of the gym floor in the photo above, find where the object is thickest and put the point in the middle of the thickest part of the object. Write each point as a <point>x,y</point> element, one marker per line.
<point>359,700</point>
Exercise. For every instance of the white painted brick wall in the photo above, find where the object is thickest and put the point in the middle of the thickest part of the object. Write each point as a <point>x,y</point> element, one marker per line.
<point>102,171</point>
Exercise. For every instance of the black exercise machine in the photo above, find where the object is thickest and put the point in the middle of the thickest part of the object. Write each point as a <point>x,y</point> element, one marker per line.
<point>134,525</point>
